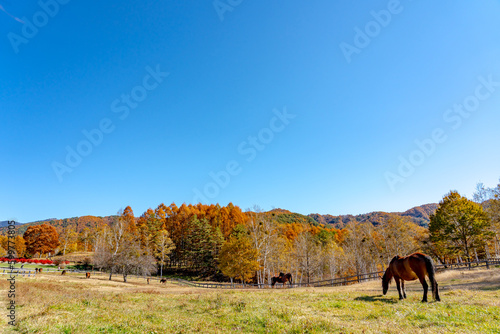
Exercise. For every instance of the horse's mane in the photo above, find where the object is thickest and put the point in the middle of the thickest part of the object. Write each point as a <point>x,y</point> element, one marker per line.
<point>397,257</point>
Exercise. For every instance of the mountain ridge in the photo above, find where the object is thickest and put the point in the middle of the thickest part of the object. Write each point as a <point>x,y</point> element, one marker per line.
<point>418,215</point>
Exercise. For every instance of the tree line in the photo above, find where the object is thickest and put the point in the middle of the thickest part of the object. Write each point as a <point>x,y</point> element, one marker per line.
<point>227,243</point>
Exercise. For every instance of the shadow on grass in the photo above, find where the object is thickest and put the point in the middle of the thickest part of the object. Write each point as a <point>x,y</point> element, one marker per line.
<point>377,299</point>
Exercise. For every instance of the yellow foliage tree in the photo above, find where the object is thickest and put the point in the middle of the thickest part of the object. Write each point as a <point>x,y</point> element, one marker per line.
<point>20,246</point>
<point>238,258</point>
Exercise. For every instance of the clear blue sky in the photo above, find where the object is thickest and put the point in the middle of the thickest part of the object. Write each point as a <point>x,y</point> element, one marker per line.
<point>306,106</point>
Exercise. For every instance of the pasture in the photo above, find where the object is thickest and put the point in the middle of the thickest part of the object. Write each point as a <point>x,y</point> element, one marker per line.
<point>51,303</point>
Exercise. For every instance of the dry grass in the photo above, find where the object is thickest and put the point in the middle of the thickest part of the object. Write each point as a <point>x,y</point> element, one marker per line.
<point>72,304</point>
<point>75,256</point>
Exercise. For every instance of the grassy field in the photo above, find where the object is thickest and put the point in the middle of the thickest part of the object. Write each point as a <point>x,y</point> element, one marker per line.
<point>53,303</point>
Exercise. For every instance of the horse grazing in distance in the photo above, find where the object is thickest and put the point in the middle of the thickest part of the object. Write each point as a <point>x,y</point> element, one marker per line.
<point>39,270</point>
<point>163,281</point>
<point>409,268</point>
<point>87,275</point>
<point>282,278</point>
<point>148,280</point>
<point>63,272</point>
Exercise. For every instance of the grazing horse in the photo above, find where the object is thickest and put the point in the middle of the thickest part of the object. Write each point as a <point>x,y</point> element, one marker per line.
<point>36,270</point>
<point>282,278</point>
<point>40,270</point>
<point>163,281</point>
<point>409,268</point>
<point>87,275</point>
<point>63,272</point>
<point>148,280</point>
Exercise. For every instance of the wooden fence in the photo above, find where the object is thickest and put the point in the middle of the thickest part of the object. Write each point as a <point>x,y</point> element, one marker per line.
<point>18,272</point>
<point>341,280</point>
<point>325,283</point>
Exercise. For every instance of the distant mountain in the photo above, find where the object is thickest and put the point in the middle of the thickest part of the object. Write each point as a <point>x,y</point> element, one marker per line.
<point>78,223</point>
<point>5,223</point>
<point>419,215</point>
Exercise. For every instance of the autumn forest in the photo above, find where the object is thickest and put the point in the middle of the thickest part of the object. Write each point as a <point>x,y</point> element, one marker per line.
<point>225,243</point>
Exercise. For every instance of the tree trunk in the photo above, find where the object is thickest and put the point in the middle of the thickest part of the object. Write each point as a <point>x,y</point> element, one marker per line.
<point>467,253</point>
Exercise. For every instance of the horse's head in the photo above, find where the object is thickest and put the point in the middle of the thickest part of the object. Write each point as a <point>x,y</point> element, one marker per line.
<point>386,279</point>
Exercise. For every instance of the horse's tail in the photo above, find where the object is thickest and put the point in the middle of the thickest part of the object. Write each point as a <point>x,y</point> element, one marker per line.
<point>431,272</point>
<point>290,279</point>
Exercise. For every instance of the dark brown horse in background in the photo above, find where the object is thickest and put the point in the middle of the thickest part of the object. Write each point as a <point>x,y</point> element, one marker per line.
<point>282,278</point>
<point>409,268</point>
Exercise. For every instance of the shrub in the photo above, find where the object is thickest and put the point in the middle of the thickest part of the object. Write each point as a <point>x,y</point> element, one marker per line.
<point>59,262</point>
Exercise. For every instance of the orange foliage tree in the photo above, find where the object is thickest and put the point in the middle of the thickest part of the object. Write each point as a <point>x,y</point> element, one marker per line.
<point>41,239</point>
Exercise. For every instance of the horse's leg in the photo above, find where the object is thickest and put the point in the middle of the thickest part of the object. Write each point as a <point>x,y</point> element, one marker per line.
<point>434,286</point>
<point>403,288</point>
<point>398,285</point>
<point>435,291</point>
<point>425,286</point>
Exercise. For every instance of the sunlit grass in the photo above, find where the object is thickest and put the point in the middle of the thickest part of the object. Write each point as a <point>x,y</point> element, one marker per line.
<point>55,304</point>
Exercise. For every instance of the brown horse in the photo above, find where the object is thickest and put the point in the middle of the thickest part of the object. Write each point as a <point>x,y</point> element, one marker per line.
<point>148,280</point>
<point>63,272</point>
<point>282,278</point>
<point>163,281</point>
<point>409,268</point>
<point>87,275</point>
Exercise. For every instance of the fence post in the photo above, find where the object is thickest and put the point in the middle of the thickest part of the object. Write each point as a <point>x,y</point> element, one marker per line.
<point>487,265</point>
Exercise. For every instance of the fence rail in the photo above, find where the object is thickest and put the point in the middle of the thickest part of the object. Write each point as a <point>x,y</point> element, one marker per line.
<point>17,272</point>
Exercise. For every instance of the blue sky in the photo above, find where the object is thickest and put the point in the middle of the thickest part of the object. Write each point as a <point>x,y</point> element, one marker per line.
<point>318,107</point>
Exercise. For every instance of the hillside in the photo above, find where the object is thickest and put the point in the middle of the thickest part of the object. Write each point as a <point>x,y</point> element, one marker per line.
<point>79,223</point>
<point>419,215</point>
<point>288,217</point>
